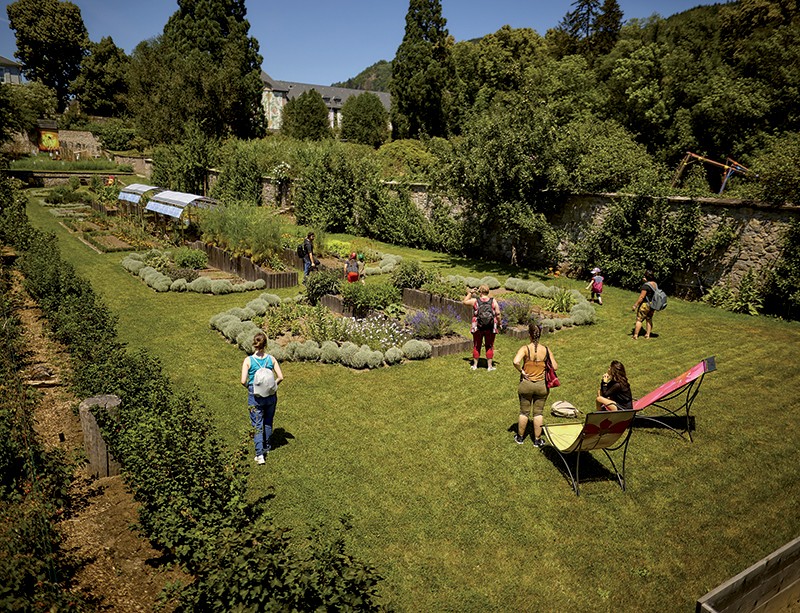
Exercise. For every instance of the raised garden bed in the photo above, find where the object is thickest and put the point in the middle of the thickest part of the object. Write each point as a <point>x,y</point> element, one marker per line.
<point>243,267</point>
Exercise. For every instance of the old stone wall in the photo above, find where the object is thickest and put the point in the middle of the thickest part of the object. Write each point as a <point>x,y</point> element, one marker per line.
<point>141,166</point>
<point>79,144</point>
<point>759,230</point>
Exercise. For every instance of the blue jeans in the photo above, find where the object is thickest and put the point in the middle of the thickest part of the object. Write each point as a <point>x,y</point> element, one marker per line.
<point>262,414</point>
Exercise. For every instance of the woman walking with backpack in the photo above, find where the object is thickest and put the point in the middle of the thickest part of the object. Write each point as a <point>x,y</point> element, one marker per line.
<point>262,408</point>
<point>644,312</point>
<point>485,317</point>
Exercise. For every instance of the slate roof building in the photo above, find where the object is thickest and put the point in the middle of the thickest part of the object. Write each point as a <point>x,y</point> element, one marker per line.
<point>276,94</point>
<point>11,71</point>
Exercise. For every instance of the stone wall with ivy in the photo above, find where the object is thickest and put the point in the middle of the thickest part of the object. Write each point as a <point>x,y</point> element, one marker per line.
<point>755,233</point>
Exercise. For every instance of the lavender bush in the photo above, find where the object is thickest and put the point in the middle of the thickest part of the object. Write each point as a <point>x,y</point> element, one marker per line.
<point>433,322</point>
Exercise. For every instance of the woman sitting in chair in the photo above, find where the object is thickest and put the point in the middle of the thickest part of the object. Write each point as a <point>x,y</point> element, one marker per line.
<point>615,391</point>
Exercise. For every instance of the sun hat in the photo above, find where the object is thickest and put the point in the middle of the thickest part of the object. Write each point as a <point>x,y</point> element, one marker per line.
<point>595,270</point>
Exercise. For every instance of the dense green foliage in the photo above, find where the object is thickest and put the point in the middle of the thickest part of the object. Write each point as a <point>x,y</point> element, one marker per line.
<point>51,42</point>
<point>306,117</point>
<point>205,70</point>
<point>641,234</point>
<point>782,284</point>
<point>421,71</point>
<point>373,78</point>
<point>28,103</point>
<point>365,120</point>
<point>100,86</point>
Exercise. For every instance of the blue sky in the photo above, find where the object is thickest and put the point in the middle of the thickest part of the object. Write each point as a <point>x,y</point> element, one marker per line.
<point>321,42</point>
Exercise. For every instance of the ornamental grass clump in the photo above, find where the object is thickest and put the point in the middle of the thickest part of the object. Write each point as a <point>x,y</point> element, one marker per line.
<point>433,322</point>
<point>393,356</point>
<point>221,286</point>
<point>178,285</point>
<point>258,306</point>
<point>309,351</point>
<point>201,285</point>
<point>346,352</point>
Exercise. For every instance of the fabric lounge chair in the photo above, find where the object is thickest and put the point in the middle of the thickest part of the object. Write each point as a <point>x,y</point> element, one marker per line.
<point>606,430</point>
<point>675,397</point>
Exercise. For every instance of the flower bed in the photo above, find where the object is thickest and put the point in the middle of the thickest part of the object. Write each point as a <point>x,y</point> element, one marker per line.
<point>153,266</point>
<point>305,333</point>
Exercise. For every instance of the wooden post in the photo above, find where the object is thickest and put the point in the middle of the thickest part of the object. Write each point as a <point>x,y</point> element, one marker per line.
<point>101,463</point>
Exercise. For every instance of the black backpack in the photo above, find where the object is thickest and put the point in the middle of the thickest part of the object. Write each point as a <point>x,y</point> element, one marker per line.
<point>485,316</point>
<point>352,266</point>
<point>301,250</point>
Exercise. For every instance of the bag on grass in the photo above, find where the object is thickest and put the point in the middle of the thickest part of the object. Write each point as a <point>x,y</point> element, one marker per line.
<point>562,408</point>
<point>550,376</point>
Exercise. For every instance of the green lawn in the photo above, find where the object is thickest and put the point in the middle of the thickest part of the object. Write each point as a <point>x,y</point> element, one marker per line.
<point>457,517</point>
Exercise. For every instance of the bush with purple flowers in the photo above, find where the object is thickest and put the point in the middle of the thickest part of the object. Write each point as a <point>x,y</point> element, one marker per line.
<point>433,322</point>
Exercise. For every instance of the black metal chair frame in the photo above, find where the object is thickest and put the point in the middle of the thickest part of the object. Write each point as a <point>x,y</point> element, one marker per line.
<point>577,452</point>
<point>690,390</point>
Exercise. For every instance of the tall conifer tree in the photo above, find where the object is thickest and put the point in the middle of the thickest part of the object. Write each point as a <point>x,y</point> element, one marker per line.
<point>421,73</point>
<point>208,72</point>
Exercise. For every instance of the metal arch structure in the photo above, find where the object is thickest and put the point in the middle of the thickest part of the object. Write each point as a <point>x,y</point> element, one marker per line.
<point>729,168</point>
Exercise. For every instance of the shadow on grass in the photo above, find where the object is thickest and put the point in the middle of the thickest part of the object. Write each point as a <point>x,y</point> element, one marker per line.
<point>484,267</point>
<point>591,468</point>
<point>674,424</point>
<point>280,437</point>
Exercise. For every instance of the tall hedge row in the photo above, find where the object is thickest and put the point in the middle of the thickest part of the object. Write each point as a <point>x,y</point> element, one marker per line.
<point>192,491</point>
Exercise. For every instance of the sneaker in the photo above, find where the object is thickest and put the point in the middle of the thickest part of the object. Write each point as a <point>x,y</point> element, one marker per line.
<point>538,442</point>
<point>492,368</point>
<point>519,440</point>
<point>474,367</point>
<point>260,459</point>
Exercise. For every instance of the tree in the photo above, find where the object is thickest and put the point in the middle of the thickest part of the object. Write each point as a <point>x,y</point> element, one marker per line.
<point>51,42</point>
<point>205,69</point>
<point>306,117</point>
<point>607,26</point>
<point>365,120</point>
<point>421,73</point>
<point>101,86</point>
<point>589,29</point>
<point>30,102</point>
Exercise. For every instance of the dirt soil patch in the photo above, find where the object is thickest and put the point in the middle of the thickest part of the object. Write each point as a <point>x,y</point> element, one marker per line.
<point>119,569</point>
<point>109,241</point>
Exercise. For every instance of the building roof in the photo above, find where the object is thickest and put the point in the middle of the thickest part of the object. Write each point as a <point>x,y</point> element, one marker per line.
<point>334,97</point>
<point>4,61</point>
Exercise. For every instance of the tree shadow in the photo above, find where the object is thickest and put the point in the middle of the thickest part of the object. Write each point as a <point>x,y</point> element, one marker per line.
<point>488,267</point>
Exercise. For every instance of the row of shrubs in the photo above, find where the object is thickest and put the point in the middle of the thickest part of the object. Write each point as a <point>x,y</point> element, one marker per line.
<point>191,491</point>
<point>162,282</point>
<point>238,327</point>
<point>35,573</point>
<point>581,311</point>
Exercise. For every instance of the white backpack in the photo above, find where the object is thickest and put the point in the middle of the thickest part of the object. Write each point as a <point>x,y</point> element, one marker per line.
<point>562,408</point>
<point>264,382</point>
